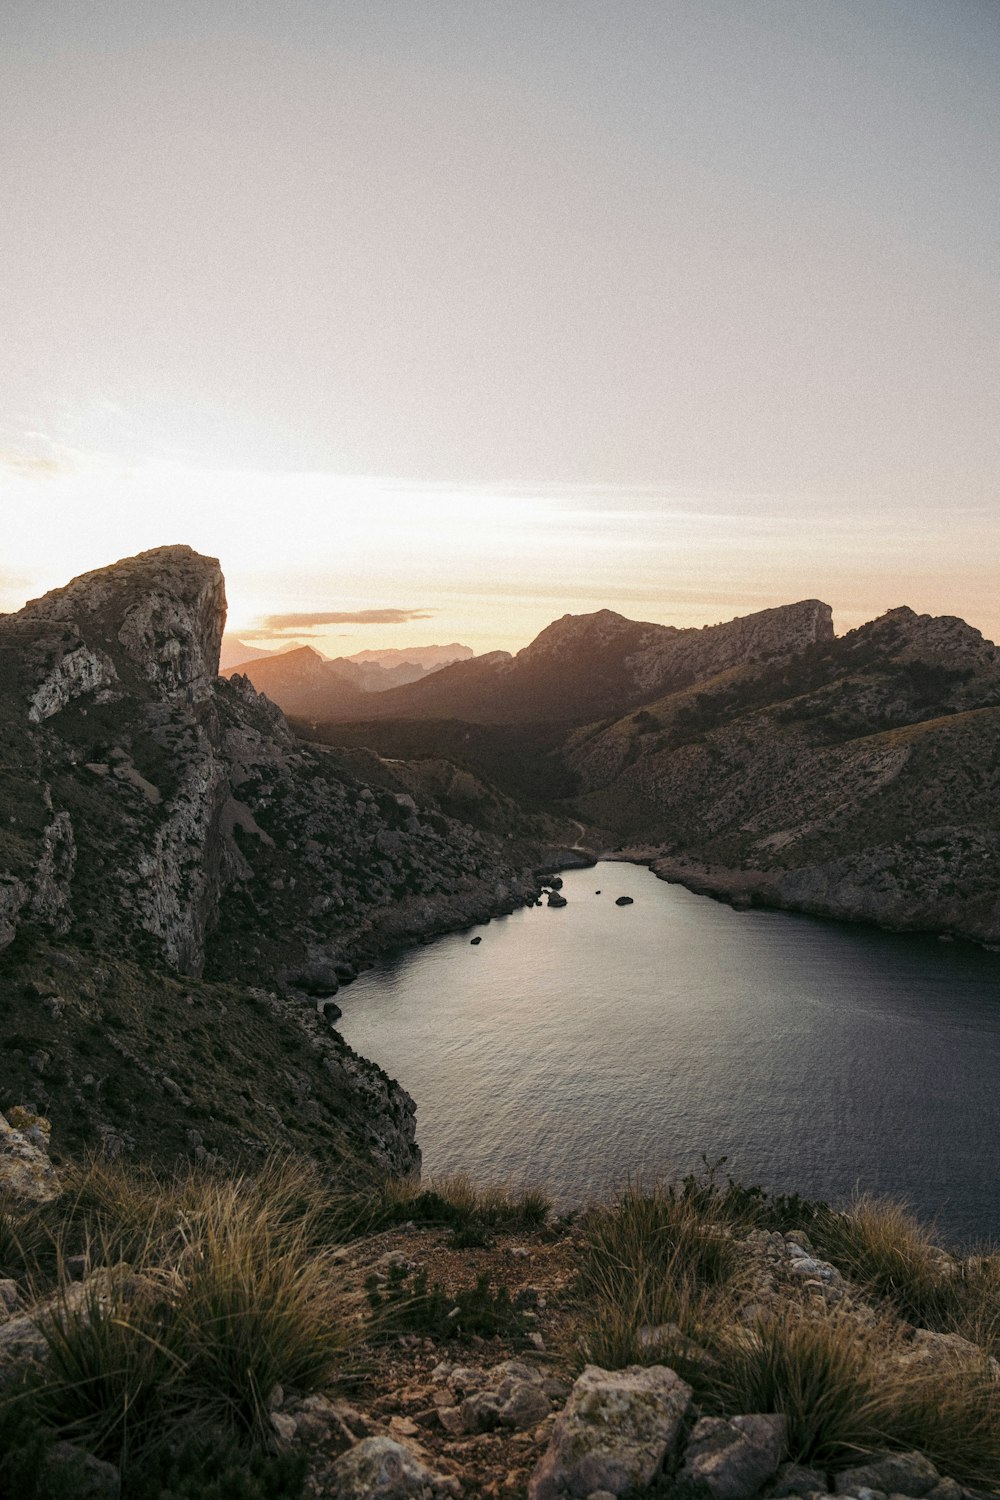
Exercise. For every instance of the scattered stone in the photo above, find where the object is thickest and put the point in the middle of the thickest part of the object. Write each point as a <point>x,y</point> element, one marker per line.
<point>554,899</point>
<point>946,1489</point>
<point>22,1344</point>
<point>615,1433</point>
<point>284,1425</point>
<point>474,942</point>
<point>735,1458</point>
<point>380,1469</point>
<point>26,1173</point>
<point>624,901</point>
<point>91,1478</point>
<point>795,1479</point>
<point>320,1420</point>
<point>895,1474</point>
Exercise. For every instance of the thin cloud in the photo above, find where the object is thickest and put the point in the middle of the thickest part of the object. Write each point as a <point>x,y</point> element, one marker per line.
<point>297,623</point>
<point>33,466</point>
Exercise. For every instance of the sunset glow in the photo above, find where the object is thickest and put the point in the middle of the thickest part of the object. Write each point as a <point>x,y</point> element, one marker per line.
<point>685,312</point>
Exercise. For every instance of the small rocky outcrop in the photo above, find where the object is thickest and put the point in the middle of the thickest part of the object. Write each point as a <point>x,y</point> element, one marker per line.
<point>378,1468</point>
<point>734,1458</point>
<point>26,1172</point>
<point>615,1433</point>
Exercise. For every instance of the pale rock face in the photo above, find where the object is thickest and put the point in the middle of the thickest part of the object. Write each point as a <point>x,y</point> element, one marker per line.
<point>166,608</point>
<point>615,1433</point>
<point>14,895</point>
<point>50,901</point>
<point>26,1173</point>
<point>77,673</point>
<point>378,1468</point>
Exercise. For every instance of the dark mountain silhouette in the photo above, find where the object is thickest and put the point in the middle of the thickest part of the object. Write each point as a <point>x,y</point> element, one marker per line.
<point>585,666</point>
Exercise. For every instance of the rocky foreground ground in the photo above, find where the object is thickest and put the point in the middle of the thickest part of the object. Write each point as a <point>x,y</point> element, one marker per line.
<point>474,1362</point>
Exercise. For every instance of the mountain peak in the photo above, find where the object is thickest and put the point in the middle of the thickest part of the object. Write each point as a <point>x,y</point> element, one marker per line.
<point>153,621</point>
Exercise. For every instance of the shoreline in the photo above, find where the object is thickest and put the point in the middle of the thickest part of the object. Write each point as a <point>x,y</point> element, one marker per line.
<point>761,890</point>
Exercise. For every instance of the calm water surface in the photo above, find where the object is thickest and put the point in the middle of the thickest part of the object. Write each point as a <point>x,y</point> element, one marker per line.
<point>575,1045</point>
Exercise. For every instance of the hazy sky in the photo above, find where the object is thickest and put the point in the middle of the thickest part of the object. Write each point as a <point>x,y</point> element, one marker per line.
<point>492,311</point>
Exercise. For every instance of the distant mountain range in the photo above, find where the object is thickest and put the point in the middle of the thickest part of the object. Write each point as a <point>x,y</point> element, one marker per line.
<point>302,681</point>
<point>765,759</point>
<point>591,665</point>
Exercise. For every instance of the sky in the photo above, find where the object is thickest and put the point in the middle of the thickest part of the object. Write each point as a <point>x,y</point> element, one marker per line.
<point>444,318</point>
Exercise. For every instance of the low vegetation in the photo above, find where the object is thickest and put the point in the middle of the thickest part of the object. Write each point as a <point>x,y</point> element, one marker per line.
<point>205,1292</point>
<point>663,1278</point>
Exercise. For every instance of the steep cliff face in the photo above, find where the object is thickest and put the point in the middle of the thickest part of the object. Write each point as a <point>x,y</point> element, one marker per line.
<point>151,801</point>
<point>107,689</point>
<point>153,812</point>
<point>858,779</point>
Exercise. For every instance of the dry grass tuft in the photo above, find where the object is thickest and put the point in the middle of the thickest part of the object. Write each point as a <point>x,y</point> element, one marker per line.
<point>878,1244</point>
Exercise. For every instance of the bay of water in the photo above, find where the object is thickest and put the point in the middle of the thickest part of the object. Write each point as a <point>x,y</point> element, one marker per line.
<point>576,1045</point>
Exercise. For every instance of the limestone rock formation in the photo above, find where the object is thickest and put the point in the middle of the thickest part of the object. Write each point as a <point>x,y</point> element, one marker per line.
<point>164,817</point>
<point>26,1172</point>
<point>615,1433</point>
<point>150,801</point>
<point>858,779</point>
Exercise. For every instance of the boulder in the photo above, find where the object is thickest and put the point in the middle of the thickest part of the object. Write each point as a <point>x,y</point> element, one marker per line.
<point>380,1469</point>
<point>26,1173</point>
<point>931,1348</point>
<point>74,1471</point>
<point>894,1474</point>
<point>615,1433</point>
<point>624,901</point>
<point>734,1459</point>
<point>796,1479</point>
<point>514,1397</point>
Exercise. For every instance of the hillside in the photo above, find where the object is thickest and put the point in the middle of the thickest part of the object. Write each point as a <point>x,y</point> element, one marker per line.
<point>585,666</point>
<point>858,780</point>
<point>163,829</point>
<point>311,686</point>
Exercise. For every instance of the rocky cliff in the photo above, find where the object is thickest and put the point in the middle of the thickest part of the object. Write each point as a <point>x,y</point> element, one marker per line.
<point>154,812</point>
<point>585,666</point>
<point>858,779</point>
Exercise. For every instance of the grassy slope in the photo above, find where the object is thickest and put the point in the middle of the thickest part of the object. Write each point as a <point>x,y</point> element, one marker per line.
<point>112,1049</point>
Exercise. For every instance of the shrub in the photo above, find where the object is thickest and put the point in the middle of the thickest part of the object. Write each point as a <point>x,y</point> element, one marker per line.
<point>257,1309</point>
<point>655,1258</point>
<point>115,1361</point>
<point>452,1202</point>
<point>407,1304</point>
<point>818,1371</point>
<point>878,1244</point>
<point>228,1295</point>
